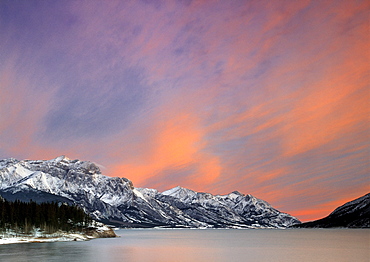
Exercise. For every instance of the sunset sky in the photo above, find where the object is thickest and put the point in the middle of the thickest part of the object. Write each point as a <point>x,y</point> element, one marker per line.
<point>270,98</point>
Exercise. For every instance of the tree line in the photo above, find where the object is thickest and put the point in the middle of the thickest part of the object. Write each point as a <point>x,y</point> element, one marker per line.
<point>23,217</point>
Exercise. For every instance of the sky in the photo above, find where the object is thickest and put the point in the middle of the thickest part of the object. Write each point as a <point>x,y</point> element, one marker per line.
<point>269,98</point>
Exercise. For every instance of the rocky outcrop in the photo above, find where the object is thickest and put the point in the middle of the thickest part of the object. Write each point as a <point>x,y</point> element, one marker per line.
<point>100,232</point>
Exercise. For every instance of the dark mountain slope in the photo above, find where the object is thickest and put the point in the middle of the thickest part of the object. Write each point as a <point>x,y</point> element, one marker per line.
<point>353,214</point>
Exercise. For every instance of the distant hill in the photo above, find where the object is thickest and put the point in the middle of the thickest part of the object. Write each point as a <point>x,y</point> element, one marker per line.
<point>353,214</point>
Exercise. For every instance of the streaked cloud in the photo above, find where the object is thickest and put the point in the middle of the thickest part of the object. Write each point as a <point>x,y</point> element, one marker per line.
<point>264,97</point>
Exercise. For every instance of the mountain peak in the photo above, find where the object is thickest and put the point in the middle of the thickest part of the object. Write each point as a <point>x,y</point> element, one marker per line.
<point>179,192</point>
<point>59,159</point>
<point>236,193</point>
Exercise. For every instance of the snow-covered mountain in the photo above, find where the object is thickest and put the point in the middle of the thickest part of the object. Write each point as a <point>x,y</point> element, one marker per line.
<point>116,200</point>
<point>354,214</point>
<point>234,209</point>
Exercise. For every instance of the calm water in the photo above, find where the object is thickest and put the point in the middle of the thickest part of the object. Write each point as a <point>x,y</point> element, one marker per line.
<point>204,245</point>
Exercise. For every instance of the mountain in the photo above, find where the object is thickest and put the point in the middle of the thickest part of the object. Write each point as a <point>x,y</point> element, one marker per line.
<point>234,209</point>
<point>353,214</point>
<point>116,201</point>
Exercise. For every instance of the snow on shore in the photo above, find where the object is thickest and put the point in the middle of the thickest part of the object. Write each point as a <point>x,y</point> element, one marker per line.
<point>32,239</point>
<point>98,231</point>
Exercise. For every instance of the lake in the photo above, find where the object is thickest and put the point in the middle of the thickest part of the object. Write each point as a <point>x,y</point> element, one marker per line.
<point>204,245</point>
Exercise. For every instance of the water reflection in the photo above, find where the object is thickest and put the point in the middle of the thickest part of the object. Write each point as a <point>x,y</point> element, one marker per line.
<point>203,245</point>
<point>61,251</point>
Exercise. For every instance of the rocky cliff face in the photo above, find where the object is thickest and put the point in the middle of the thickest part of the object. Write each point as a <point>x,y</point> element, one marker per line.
<point>353,214</point>
<point>117,201</point>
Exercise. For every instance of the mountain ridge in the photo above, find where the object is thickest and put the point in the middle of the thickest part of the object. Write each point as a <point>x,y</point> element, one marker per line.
<point>116,200</point>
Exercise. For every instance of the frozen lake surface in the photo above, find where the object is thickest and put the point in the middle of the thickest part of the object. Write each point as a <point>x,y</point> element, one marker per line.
<point>204,245</point>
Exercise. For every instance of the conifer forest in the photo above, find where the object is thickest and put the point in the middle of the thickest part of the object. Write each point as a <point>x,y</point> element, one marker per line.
<point>25,217</point>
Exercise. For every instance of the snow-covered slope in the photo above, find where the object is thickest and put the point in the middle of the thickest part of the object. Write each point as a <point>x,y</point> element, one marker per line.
<point>115,200</point>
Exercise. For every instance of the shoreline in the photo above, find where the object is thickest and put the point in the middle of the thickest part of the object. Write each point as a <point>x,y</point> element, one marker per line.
<point>100,232</point>
<point>44,239</point>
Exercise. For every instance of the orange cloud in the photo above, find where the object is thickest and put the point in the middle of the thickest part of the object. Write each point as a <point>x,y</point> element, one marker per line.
<point>329,98</point>
<point>175,139</point>
<point>265,177</point>
<point>332,109</point>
